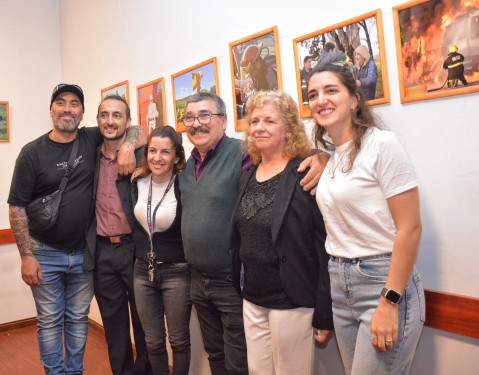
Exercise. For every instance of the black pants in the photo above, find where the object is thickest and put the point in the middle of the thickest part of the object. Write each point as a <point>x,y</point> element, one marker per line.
<point>113,281</point>
<point>220,313</point>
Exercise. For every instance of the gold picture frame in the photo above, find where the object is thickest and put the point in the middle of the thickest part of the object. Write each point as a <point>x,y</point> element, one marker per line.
<point>4,122</point>
<point>431,37</point>
<point>121,88</point>
<point>255,65</point>
<point>344,38</point>
<point>151,104</point>
<point>200,77</point>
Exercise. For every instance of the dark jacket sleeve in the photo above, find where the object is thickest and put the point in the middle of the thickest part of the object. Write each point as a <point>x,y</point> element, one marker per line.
<point>235,238</point>
<point>323,312</point>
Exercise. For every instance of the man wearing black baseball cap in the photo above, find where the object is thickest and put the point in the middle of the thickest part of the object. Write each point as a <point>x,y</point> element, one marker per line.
<point>65,87</point>
<point>52,260</point>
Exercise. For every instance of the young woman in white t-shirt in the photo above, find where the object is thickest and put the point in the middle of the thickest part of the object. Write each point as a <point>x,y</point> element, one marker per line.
<point>369,199</point>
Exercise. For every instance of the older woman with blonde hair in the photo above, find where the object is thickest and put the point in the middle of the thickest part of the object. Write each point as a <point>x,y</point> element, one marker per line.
<point>277,244</point>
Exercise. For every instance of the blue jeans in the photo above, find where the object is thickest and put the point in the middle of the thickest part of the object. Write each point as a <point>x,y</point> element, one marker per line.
<point>356,286</point>
<point>63,302</point>
<point>168,296</point>
<point>220,313</point>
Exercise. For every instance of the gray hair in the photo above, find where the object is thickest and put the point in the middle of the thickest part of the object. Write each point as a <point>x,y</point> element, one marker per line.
<point>204,95</point>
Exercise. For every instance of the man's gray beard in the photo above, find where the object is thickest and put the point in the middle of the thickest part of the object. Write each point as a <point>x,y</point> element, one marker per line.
<point>71,128</point>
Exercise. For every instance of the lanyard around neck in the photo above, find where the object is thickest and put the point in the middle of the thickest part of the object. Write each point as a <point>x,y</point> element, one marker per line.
<point>151,219</point>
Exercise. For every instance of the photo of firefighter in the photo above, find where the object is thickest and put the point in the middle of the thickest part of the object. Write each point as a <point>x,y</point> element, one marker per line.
<point>439,48</point>
<point>455,67</point>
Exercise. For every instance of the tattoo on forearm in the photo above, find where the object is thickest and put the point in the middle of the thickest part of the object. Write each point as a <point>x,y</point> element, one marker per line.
<point>19,224</point>
<point>25,254</point>
<point>132,136</point>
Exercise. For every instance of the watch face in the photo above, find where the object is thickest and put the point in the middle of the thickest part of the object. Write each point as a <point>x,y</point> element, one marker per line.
<point>392,296</point>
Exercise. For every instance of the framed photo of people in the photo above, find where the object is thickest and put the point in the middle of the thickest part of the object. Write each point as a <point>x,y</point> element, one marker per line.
<point>200,77</point>
<point>357,42</point>
<point>4,122</point>
<point>151,104</point>
<point>255,66</point>
<point>437,45</point>
<point>120,88</point>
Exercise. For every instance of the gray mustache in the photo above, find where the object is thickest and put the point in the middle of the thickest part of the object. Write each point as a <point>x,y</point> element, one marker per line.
<point>201,130</point>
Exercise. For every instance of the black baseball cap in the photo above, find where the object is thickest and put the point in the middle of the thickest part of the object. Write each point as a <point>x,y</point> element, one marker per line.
<point>66,87</point>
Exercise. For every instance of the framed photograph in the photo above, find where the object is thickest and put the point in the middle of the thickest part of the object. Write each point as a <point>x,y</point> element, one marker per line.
<point>151,104</point>
<point>121,89</point>
<point>255,66</point>
<point>4,122</point>
<point>359,40</point>
<point>437,44</point>
<point>201,77</point>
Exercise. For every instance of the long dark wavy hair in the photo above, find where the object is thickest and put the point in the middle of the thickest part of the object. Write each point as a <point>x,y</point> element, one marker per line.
<point>362,117</point>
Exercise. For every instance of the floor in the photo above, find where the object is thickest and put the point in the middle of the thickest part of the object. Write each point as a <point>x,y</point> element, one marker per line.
<point>19,353</point>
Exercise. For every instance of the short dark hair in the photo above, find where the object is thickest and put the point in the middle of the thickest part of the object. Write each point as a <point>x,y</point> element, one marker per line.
<point>307,58</point>
<point>115,97</point>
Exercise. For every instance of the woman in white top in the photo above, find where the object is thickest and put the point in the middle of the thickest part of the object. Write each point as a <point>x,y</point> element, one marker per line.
<point>162,276</point>
<point>368,196</point>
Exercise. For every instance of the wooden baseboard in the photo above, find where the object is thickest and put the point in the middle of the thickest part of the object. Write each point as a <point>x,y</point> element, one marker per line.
<point>452,313</point>
<point>96,326</point>
<point>33,321</point>
<point>18,324</point>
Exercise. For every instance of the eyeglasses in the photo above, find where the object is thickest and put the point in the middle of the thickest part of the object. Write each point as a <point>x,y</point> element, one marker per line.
<point>203,119</point>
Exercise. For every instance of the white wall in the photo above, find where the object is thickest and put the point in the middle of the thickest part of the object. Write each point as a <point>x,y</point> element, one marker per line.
<point>30,66</point>
<point>108,41</point>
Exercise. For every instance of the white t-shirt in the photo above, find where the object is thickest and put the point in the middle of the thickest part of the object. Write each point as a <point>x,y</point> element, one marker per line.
<point>354,207</point>
<point>166,213</point>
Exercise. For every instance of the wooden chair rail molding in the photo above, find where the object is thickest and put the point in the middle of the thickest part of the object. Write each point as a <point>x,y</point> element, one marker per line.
<point>6,237</point>
<point>444,311</point>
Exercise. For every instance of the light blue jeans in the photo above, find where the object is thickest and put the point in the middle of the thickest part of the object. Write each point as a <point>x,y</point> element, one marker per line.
<point>63,302</point>
<point>356,286</point>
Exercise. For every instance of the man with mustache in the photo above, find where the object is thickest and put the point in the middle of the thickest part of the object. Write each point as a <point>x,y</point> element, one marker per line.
<point>110,243</point>
<point>53,259</point>
<point>209,189</point>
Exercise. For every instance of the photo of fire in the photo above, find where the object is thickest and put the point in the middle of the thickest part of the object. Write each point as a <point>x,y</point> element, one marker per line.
<point>438,48</point>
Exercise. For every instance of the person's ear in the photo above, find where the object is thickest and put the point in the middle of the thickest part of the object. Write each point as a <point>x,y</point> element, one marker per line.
<point>355,102</point>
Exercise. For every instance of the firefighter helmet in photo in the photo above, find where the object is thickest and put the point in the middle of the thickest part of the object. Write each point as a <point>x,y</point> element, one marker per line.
<point>452,48</point>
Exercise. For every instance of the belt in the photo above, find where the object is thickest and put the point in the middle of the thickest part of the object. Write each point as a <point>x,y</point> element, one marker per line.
<point>213,277</point>
<point>121,238</point>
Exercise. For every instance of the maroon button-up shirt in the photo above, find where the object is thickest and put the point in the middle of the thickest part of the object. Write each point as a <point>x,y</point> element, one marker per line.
<point>110,217</point>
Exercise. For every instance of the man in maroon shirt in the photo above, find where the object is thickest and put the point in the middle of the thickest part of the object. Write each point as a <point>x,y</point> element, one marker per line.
<point>110,240</point>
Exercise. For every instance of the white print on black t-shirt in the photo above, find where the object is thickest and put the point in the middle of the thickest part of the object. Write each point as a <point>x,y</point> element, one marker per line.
<point>63,165</point>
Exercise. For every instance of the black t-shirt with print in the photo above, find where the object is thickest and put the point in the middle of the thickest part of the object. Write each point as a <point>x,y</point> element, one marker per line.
<point>39,169</point>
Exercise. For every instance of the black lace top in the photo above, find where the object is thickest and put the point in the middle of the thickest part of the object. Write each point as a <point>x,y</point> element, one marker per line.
<point>262,282</point>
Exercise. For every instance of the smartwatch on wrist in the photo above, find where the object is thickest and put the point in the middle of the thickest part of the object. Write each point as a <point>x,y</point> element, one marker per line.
<point>391,296</point>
